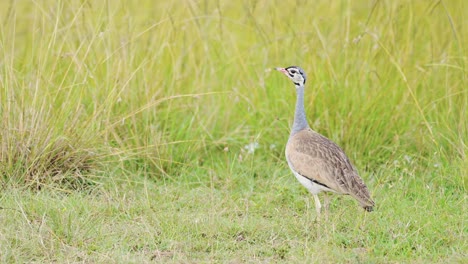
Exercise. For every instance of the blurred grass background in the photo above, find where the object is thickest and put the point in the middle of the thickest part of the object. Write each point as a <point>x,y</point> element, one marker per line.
<point>162,100</point>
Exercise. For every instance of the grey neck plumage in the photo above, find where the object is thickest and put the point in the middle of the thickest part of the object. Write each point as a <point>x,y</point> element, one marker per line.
<point>300,121</point>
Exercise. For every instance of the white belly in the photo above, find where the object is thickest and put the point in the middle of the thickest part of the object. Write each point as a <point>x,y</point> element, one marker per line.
<point>310,185</point>
<point>313,187</point>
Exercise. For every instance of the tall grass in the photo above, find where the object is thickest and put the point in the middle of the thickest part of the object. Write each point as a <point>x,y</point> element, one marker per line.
<point>99,91</point>
<point>155,84</point>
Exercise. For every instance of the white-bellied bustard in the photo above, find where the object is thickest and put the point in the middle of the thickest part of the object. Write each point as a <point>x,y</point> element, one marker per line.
<point>317,162</point>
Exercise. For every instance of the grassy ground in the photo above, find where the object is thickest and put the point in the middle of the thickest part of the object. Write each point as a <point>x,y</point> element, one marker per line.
<point>125,130</point>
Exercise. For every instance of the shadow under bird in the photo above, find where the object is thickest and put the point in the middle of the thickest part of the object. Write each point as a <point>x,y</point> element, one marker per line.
<point>317,162</point>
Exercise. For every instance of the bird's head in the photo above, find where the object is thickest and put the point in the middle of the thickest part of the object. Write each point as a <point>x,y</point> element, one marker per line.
<point>295,73</point>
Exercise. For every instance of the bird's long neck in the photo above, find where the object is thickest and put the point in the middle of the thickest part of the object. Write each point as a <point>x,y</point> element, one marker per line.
<point>300,121</point>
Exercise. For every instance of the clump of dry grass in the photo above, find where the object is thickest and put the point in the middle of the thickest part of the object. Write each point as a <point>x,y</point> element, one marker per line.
<point>35,151</point>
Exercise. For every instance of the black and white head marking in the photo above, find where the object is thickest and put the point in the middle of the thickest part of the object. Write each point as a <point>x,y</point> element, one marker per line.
<point>295,73</point>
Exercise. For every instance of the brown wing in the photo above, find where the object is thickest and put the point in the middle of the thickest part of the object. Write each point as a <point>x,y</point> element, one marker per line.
<point>320,159</point>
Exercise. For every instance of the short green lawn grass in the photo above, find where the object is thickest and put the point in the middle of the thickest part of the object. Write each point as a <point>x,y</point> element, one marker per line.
<point>154,131</point>
<point>266,219</point>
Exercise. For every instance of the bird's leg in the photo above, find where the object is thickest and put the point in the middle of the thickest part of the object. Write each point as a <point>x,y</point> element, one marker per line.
<point>326,205</point>
<point>318,206</point>
<point>326,202</point>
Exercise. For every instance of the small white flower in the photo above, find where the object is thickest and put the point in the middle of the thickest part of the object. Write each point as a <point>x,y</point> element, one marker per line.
<point>407,158</point>
<point>251,147</point>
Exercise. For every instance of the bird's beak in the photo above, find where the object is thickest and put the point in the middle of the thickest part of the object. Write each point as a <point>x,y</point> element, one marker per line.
<point>283,70</point>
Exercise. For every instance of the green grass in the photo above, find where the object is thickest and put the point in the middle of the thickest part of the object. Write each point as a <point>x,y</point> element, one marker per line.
<point>123,128</point>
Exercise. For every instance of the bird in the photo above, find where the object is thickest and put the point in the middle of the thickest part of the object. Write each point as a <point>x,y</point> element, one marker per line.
<point>318,163</point>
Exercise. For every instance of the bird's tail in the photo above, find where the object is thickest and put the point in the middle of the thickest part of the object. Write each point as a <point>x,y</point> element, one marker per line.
<point>368,208</point>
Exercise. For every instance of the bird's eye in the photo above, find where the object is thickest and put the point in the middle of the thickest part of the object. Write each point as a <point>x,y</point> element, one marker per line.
<point>293,71</point>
